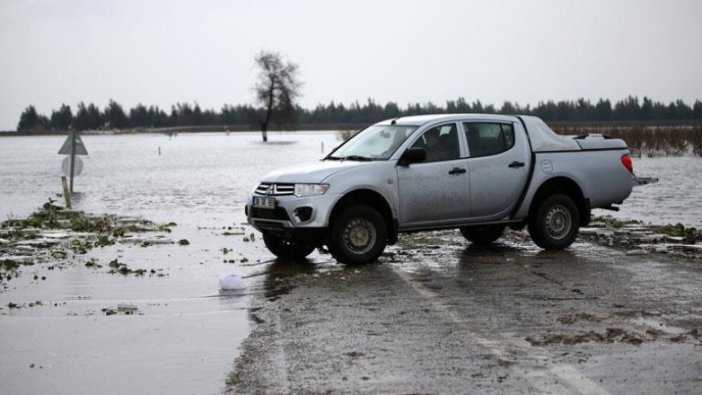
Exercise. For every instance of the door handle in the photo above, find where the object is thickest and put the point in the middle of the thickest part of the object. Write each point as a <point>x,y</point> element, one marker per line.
<point>457,170</point>
<point>516,164</point>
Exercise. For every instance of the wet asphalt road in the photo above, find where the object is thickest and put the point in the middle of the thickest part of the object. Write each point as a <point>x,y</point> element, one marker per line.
<point>439,316</point>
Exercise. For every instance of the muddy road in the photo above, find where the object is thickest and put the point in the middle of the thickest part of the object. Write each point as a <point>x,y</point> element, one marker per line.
<point>439,316</point>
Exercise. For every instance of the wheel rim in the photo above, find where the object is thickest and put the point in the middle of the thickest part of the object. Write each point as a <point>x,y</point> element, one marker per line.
<point>558,222</point>
<point>359,236</point>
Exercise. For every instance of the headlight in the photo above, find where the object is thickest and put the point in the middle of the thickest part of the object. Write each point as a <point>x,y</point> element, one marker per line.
<point>306,190</point>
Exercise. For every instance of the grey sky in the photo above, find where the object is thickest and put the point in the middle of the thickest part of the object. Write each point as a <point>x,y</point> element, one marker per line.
<point>163,52</point>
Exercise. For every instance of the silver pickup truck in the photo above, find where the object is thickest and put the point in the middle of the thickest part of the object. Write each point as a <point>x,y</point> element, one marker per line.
<point>475,172</point>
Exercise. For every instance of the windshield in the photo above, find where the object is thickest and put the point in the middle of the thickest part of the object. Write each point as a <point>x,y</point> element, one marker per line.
<point>377,142</point>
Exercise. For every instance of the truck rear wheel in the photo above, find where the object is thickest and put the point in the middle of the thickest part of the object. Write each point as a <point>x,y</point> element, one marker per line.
<point>483,234</point>
<point>286,249</point>
<point>358,235</point>
<point>555,223</point>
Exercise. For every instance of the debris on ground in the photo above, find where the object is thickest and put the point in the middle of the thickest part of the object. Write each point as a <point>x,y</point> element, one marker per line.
<point>231,281</point>
<point>125,309</point>
<point>639,238</point>
<point>53,233</point>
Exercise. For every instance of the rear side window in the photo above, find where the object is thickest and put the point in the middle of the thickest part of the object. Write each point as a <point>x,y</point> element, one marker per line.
<point>486,139</point>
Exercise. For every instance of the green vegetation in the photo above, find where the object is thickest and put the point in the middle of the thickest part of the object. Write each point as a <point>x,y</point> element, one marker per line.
<point>612,222</point>
<point>122,268</point>
<point>689,234</point>
<point>91,232</point>
<point>90,117</point>
<point>92,263</point>
<point>649,141</point>
<point>104,241</point>
<point>166,227</point>
<point>183,242</point>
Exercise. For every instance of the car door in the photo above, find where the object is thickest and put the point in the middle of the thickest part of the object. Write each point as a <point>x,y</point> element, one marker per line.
<point>437,190</point>
<point>499,158</point>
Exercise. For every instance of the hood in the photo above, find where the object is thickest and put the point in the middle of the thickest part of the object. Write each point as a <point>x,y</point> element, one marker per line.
<point>310,172</point>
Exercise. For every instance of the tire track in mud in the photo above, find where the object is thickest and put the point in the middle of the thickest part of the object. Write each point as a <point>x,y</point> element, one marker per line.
<point>509,350</point>
<point>457,319</point>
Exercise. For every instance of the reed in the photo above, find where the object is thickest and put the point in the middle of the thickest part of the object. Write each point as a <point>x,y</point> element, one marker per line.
<point>644,140</point>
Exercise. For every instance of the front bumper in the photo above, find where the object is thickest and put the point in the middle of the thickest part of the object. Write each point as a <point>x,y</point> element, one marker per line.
<point>293,218</point>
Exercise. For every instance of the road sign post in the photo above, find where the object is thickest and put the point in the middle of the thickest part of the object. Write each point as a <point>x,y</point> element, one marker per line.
<point>73,156</point>
<point>73,146</point>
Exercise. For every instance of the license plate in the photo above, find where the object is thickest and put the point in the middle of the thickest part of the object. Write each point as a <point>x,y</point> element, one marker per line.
<point>264,202</point>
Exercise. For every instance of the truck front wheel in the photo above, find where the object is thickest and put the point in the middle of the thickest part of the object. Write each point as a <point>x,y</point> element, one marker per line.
<point>555,223</point>
<point>484,234</point>
<point>286,249</point>
<point>358,235</point>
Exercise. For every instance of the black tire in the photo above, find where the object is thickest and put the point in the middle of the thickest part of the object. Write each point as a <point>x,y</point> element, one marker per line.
<point>482,234</point>
<point>555,223</point>
<point>286,249</point>
<point>358,235</point>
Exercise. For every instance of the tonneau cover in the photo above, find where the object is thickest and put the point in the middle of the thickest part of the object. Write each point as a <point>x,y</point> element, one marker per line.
<point>543,139</point>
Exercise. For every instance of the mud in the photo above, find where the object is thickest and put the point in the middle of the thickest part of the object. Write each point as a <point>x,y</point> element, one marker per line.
<point>116,296</point>
<point>439,315</point>
<point>434,315</point>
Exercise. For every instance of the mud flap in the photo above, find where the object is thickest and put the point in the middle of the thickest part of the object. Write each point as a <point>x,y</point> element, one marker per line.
<point>640,181</point>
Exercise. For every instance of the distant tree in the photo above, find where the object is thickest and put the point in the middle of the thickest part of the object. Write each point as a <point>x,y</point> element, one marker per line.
<point>62,118</point>
<point>276,89</point>
<point>628,109</point>
<point>603,110</point>
<point>88,118</point>
<point>115,116</point>
<point>197,115</point>
<point>508,108</point>
<point>181,115</point>
<point>391,110</point>
<point>139,116</point>
<point>646,111</point>
<point>80,122</point>
<point>156,117</point>
<point>697,110</point>
<point>31,120</point>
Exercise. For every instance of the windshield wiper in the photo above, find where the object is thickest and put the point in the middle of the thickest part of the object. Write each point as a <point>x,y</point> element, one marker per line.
<point>358,157</point>
<point>350,157</point>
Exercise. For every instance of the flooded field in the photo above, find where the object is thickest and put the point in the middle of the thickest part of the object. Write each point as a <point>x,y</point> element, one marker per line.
<point>205,177</point>
<point>674,199</point>
<point>78,324</point>
<point>75,325</point>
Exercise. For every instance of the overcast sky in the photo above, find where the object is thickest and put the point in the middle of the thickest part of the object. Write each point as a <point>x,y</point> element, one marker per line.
<point>163,52</point>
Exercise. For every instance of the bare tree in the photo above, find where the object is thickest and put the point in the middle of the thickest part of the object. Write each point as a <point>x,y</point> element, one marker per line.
<point>276,89</point>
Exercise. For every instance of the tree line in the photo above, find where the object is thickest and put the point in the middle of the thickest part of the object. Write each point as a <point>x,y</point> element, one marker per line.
<point>114,116</point>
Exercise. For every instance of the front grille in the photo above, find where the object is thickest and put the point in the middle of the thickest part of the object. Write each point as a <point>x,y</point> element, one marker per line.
<point>270,189</point>
<point>277,213</point>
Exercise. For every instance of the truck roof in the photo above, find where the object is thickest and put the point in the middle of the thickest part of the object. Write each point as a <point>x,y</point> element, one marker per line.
<point>541,136</point>
<point>419,120</point>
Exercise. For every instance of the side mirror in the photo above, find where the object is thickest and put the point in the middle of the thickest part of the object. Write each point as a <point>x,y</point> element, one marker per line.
<point>412,155</point>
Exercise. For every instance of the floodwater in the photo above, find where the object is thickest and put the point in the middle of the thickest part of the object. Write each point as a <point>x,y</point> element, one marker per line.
<point>186,334</point>
<point>200,178</point>
<point>674,199</point>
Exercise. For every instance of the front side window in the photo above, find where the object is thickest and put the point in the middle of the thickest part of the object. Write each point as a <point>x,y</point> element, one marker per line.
<point>377,142</point>
<point>486,139</point>
<point>441,143</point>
